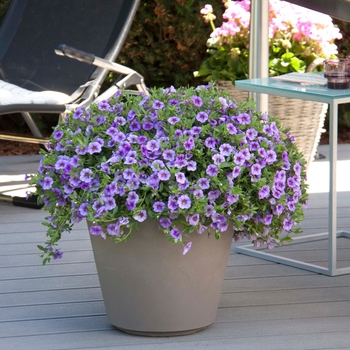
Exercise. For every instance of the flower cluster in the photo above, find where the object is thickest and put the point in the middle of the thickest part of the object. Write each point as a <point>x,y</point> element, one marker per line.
<point>299,38</point>
<point>189,158</point>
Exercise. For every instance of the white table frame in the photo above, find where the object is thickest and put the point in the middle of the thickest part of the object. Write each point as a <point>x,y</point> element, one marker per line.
<point>334,99</point>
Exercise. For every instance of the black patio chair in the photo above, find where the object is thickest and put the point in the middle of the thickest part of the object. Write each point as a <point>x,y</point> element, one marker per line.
<point>34,78</point>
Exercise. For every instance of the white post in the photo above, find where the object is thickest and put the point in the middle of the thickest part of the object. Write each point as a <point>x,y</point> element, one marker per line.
<point>259,48</point>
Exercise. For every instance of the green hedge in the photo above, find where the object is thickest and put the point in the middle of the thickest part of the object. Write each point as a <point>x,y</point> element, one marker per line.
<point>167,41</point>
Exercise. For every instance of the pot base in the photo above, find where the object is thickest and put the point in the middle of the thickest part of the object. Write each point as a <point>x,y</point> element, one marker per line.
<point>162,334</point>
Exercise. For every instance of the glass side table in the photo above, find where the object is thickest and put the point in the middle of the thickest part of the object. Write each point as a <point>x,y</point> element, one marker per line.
<point>334,98</point>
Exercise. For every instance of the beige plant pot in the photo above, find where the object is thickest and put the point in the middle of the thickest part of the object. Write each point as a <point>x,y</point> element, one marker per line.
<point>150,288</point>
<point>304,118</point>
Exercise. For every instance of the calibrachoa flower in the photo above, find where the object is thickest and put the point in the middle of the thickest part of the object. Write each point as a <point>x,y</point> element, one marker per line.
<point>299,39</point>
<point>189,158</point>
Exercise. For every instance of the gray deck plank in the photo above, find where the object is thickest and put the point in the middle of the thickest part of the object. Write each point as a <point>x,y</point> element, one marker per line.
<point>263,305</point>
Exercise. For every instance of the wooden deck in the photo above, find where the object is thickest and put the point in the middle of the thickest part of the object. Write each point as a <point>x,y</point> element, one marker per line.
<point>263,305</point>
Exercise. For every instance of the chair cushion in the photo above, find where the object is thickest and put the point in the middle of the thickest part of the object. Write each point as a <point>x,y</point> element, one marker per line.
<point>13,94</point>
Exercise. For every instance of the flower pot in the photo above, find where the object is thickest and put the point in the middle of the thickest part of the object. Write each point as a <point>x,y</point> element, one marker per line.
<point>150,288</point>
<point>304,118</point>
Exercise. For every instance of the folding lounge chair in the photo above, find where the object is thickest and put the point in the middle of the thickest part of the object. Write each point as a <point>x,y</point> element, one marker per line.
<point>34,78</point>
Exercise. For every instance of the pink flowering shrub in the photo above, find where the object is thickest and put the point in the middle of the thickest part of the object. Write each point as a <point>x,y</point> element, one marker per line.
<point>189,158</point>
<point>299,39</point>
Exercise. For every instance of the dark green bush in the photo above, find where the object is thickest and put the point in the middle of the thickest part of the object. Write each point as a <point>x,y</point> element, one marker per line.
<point>167,41</point>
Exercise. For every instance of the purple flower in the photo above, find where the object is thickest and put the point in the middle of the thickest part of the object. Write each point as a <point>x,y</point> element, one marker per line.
<point>198,194</point>
<point>147,126</point>
<point>262,152</point>
<point>103,106</point>
<point>96,230</point>
<point>57,135</point>
<point>83,210</point>
<point>253,146</point>
<point>157,165</point>
<point>135,126</point>
<point>231,198</point>
<point>287,224</point>
<point>184,202</point>
<point>291,205</point>
<point>130,204</point>
<point>109,203</point>
<point>188,144</point>
<point>255,170</point>
<point>264,192</point>
<point>57,255</point>
<point>244,118</point>
<point>251,134</point>
<point>187,247</point>
<point>270,156</point>
<point>226,149</point>
<point>172,204</point>
<point>165,222</point>
<point>193,219</point>
<point>297,168</point>
<point>267,219</point>
<point>175,233</point>
<point>291,182</point>
<point>191,165</point>
<point>47,183</point>
<point>196,130</point>
<point>86,175</point>
<point>142,139</point>
<point>158,207</point>
<point>210,142</point>
<point>78,113</point>
<point>128,173</point>
<point>173,120</point>
<point>94,147</point>
<point>212,170</point>
<point>218,159</point>
<point>158,104</point>
<point>267,130</point>
<point>164,175</point>
<point>153,145</point>
<point>239,159</point>
<point>113,229</point>
<point>213,195</point>
<point>209,210</point>
<point>169,155</point>
<point>236,171</point>
<point>140,216</point>
<point>279,209</point>
<point>133,196</point>
<point>231,129</point>
<point>180,161</point>
<point>197,101</point>
<point>131,114</point>
<point>112,131</point>
<point>203,183</point>
<point>202,117</point>
<point>180,177</point>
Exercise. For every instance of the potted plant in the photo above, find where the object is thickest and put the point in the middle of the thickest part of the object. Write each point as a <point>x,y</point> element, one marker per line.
<point>300,40</point>
<point>171,177</point>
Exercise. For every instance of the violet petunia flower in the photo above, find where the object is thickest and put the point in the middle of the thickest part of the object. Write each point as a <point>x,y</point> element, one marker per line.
<point>187,247</point>
<point>184,202</point>
<point>140,216</point>
<point>212,170</point>
<point>175,233</point>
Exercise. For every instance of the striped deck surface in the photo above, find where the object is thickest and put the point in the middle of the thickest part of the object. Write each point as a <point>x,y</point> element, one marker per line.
<point>263,305</point>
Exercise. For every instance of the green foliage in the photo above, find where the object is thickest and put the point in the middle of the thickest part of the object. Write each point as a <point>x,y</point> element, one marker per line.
<point>3,7</point>
<point>167,41</point>
<point>190,158</point>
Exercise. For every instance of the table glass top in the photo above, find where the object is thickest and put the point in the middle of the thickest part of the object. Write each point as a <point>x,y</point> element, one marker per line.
<point>270,85</point>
